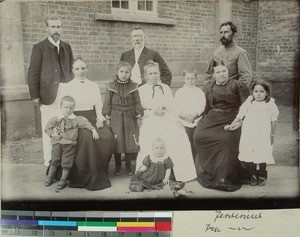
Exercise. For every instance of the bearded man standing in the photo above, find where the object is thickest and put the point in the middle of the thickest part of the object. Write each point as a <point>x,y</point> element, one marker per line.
<point>235,58</point>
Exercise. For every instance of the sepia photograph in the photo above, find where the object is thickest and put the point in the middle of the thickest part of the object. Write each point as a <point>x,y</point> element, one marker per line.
<point>149,105</point>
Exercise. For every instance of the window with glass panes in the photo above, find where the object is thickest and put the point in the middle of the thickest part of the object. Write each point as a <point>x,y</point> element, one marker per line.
<point>134,6</point>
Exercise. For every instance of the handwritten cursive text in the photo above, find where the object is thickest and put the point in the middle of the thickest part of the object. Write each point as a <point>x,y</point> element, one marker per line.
<point>232,215</point>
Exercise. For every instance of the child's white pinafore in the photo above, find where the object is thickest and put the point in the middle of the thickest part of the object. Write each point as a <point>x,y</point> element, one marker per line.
<point>255,143</point>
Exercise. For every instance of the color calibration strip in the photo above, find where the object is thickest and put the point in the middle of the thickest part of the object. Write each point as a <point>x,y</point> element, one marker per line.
<point>86,224</point>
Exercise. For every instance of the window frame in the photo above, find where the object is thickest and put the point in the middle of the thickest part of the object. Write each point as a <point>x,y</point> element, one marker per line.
<point>133,9</point>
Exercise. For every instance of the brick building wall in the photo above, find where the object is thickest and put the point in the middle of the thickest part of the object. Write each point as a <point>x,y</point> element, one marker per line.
<point>245,16</point>
<point>267,29</point>
<point>278,47</point>
<point>100,43</point>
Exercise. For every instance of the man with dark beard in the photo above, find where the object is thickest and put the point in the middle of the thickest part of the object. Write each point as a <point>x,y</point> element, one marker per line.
<point>235,58</point>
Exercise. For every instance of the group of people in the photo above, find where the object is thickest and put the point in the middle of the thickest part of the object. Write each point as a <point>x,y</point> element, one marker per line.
<point>195,134</point>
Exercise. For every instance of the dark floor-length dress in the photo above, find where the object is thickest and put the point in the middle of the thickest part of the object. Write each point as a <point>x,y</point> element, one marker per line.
<point>122,103</point>
<point>90,169</point>
<point>217,149</point>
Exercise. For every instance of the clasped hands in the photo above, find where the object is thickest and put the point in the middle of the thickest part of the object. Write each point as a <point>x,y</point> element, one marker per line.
<point>159,112</point>
<point>233,126</point>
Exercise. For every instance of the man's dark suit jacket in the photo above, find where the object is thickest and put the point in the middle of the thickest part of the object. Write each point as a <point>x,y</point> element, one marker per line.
<point>47,68</point>
<point>146,55</point>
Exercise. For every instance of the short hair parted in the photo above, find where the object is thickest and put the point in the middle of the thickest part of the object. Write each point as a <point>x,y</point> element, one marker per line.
<point>53,18</point>
<point>232,26</point>
<point>150,63</point>
<point>266,86</point>
<point>67,98</point>
<point>190,70</point>
<point>124,64</point>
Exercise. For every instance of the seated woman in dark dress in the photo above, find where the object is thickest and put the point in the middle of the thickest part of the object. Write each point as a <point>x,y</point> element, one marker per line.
<point>90,169</point>
<point>217,149</point>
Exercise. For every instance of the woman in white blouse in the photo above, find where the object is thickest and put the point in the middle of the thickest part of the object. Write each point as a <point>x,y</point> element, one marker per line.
<point>160,120</point>
<point>90,169</point>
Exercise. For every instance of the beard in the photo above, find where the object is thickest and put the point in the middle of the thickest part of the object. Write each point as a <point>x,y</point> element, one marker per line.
<point>55,37</point>
<point>225,41</point>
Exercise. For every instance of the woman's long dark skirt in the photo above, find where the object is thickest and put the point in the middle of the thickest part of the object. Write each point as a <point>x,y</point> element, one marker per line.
<point>217,152</point>
<point>90,169</point>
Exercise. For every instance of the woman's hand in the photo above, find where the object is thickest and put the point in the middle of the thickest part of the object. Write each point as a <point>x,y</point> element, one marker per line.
<point>272,136</point>
<point>99,124</point>
<point>36,102</point>
<point>159,112</point>
<point>190,118</point>
<point>234,126</point>
<point>139,122</point>
<point>165,181</point>
<point>107,122</point>
<point>227,127</point>
<point>95,134</point>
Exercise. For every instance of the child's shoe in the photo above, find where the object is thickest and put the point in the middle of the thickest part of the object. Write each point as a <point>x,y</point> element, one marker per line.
<point>129,171</point>
<point>118,171</point>
<point>262,178</point>
<point>61,185</point>
<point>261,181</point>
<point>176,185</point>
<point>48,182</point>
<point>253,180</point>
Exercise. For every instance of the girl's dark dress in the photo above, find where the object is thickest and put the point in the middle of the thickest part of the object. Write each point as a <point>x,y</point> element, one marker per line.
<point>122,103</point>
<point>153,177</point>
<point>218,149</point>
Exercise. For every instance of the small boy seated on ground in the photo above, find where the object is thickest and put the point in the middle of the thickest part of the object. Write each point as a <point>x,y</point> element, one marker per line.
<point>63,130</point>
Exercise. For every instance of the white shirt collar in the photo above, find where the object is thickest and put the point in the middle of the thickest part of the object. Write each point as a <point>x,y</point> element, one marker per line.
<point>137,52</point>
<point>54,43</point>
<point>76,80</point>
<point>193,87</point>
<point>60,115</point>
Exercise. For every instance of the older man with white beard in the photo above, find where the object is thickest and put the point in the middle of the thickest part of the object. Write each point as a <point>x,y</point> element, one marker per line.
<point>140,55</point>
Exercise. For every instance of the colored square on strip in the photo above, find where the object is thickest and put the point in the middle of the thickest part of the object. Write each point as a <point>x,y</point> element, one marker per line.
<point>97,228</point>
<point>136,224</point>
<point>163,214</point>
<point>136,229</point>
<point>163,226</point>
<point>101,224</point>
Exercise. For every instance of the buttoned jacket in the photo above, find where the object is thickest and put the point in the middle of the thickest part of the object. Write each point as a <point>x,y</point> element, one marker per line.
<point>146,55</point>
<point>45,70</point>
